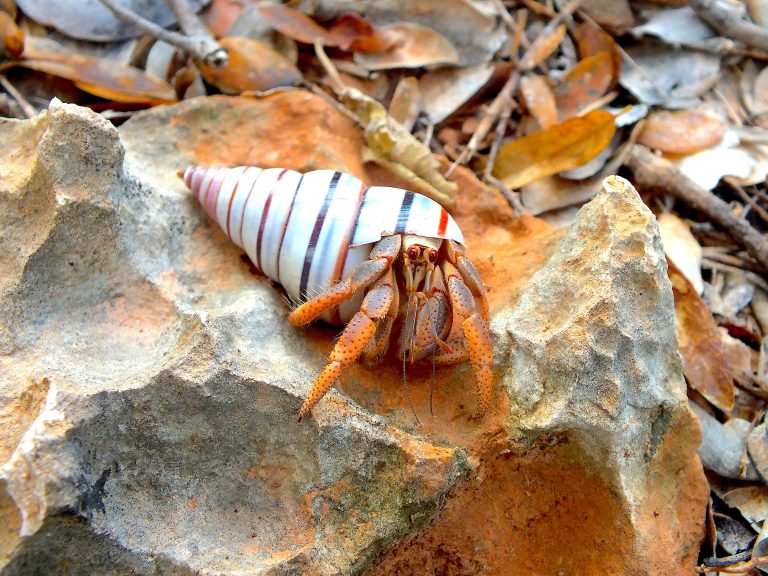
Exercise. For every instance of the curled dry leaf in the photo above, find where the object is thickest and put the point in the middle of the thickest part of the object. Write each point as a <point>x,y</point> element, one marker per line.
<point>390,145</point>
<point>542,47</point>
<point>539,99</point>
<point>561,147</point>
<point>584,83</point>
<point>704,362</point>
<point>412,46</point>
<point>252,66</point>
<point>12,35</point>
<point>98,76</point>
<point>681,132</point>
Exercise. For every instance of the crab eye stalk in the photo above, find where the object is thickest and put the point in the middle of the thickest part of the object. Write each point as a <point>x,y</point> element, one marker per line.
<point>413,253</point>
<point>432,256</point>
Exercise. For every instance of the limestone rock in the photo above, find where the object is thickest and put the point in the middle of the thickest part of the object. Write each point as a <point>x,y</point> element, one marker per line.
<point>149,381</point>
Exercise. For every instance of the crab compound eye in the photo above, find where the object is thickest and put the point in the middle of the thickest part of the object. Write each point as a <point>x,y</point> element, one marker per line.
<point>413,253</point>
<point>432,256</point>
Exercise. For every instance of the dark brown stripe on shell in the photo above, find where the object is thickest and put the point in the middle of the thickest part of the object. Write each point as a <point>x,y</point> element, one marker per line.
<point>310,253</point>
<point>405,212</point>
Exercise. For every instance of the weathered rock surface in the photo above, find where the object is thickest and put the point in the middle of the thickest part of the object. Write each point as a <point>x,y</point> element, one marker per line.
<point>149,382</point>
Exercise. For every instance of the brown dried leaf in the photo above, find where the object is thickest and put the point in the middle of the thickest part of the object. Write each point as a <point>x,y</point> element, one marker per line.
<point>353,32</point>
<point>591,40</point>
<point>12,35</point>
<point>348,31</point>
<point>704,362</point>
<point>104,78</point>
<point>405,105</point>
<point>252,66</point>
<point>221,14</point>
<point>584,83</point>
<point>413,46</point>
<point>295,25</point>
<point>539,99</point>
<point>542,47</point>
<point>561,147</point>
<point>681,132</point>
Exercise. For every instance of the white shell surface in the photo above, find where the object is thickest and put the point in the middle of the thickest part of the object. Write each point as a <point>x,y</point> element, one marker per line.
<point>309,231</point>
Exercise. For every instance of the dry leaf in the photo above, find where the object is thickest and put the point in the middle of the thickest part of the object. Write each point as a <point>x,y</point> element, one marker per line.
<point>252,66</point>
<point>539,99</point>
<point>353,32</point>
<point>676,26</point>
<point>91,20</point>
<point>542,47</point>
<point>681,132</point>
<point>390,145</point>
<point>101,77</point>
<point>561,147</point>
<point>220,16</point>
<point>405,105</point>
<point>592,39</point>
<point>473,28</point>
<point>12,35</point>
<point>681,246</point>
<point>584,83</point>
<point>413,46</point>
<point>673,78</point>
<point>751,501</point>
<point>295,25</point>
<point>614,14</point>
<point>348,31</point>
<point>727,158</point>
<point>444,91</point>
<point>704,361</point>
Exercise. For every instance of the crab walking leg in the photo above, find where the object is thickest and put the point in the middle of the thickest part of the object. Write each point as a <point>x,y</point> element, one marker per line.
<point>379,344</point>
<point>475,343</point>
<point>470,276</point>
<point>353,340</point>
<point>383,254</point>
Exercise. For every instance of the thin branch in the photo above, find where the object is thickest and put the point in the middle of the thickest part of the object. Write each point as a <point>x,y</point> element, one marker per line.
<point>201,46</point>
<point>26,107</point>
<point>651,171</point>
<point>485,125</point>
<point>747,198</point>
<point>728,18</point>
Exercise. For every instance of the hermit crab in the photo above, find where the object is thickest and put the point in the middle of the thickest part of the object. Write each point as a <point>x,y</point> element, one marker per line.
<point>365,257</point>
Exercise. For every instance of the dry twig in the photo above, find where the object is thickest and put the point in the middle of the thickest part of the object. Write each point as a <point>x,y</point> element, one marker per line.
<point>26,107</point>
<point>651,171</point>
<point>728,18</point>
<point>196,40</point>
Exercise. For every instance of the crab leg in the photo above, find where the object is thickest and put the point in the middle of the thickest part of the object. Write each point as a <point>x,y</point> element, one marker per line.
<point>383,254</point>
<point>353,340</point>
<point>474,341</point>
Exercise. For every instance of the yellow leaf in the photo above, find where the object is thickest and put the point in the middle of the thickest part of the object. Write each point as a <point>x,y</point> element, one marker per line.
<point>562,147</point>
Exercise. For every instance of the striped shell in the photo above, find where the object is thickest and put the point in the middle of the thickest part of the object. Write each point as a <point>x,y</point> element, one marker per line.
<point>308,231</point>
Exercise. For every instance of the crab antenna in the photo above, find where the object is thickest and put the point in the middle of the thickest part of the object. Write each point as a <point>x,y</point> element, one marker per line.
<point>405,345</point>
